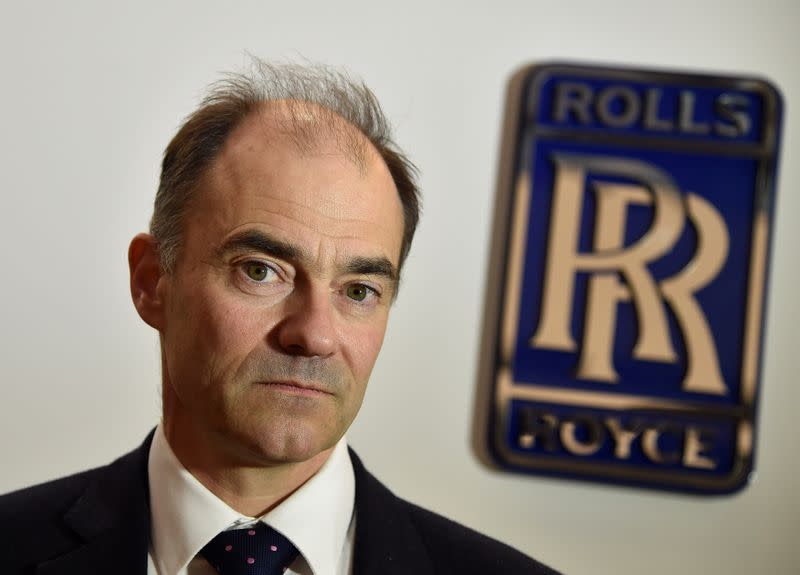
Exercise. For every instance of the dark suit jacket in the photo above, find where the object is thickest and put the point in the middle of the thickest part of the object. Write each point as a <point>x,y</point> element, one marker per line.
<point>98,521</point>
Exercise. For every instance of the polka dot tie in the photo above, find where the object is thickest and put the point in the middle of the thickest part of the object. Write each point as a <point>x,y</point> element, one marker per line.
<point>257,550</point>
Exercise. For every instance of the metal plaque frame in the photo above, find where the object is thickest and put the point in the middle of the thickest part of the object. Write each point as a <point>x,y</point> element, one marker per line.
<point>533,413</point>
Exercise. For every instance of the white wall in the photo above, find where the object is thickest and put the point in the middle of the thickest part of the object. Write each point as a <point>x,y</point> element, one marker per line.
<point>90,96</point>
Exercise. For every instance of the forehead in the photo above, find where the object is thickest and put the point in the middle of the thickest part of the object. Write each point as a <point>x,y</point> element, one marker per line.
<point>305,174</point>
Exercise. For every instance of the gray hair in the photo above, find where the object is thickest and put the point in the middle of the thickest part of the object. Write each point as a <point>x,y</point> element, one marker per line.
<point>229,101</point>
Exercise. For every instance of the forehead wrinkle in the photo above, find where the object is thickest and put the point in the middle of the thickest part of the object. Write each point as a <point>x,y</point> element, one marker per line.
<point>302,206</point>
<point>305,215</point>
<point>229,167</point>
<point>324,226</point>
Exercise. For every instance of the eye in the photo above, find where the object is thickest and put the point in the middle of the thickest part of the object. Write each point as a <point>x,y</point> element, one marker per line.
<point>258,271</point>
<point>358,292</point>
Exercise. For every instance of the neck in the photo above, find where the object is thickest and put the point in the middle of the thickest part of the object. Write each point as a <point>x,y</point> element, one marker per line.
<point>245,482</point>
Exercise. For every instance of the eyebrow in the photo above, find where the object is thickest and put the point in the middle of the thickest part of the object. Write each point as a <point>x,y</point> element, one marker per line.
<point>379,266</point>
<point>261,242</point>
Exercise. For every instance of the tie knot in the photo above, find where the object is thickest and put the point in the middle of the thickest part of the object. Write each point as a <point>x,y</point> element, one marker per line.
<point>257,550</point>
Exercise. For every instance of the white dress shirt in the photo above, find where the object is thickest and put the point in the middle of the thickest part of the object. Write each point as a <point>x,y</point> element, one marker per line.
<point>318,518</point>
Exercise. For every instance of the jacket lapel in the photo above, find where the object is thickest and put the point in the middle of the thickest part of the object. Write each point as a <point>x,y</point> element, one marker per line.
<point>112,519</point>
<point>386,540</point>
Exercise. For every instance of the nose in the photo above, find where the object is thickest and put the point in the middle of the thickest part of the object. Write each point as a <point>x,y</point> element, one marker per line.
<point>308,327</point>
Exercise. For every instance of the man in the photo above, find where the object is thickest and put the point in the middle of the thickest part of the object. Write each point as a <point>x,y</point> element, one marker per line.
<point>281,223</point>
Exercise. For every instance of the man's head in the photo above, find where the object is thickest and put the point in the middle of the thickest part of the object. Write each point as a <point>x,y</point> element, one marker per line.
<point>281,223</point>
<point>199,141</point>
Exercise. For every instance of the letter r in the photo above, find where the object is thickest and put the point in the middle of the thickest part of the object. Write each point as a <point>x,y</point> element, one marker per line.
<point>609,262</point>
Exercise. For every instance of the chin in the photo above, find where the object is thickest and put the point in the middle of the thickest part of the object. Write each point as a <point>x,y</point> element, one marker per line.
<point>286,444</point>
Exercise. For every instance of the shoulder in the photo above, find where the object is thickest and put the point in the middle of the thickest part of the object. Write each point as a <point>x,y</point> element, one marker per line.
<point>52,497</point>
<point>31,521</point>
<point>400,528</point>
<point>452,544</point>
<point>47,520</point>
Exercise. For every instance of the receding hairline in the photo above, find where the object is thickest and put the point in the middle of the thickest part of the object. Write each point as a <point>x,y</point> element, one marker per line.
<point>308,126</point>
<point>323,101</point>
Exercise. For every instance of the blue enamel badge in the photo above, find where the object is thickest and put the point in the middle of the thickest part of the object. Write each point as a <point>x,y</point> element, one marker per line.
<point>625,313</point>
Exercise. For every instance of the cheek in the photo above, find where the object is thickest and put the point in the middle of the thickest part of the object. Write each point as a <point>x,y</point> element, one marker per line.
<point>363,344</point>
<point>211,334</point>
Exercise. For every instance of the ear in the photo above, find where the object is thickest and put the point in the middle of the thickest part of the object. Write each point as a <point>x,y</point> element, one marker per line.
<point>146,275</point>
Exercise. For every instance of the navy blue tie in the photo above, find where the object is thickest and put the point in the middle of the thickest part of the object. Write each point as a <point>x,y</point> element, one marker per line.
<point>257,550</point>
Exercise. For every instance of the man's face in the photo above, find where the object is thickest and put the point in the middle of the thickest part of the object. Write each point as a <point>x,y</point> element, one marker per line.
<point>278,304</point>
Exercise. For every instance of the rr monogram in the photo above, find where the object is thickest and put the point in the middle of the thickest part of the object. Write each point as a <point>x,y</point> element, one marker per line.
<point>620,274</point>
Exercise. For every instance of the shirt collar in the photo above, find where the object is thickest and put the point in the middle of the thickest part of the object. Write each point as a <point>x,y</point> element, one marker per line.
<point>186,515</point>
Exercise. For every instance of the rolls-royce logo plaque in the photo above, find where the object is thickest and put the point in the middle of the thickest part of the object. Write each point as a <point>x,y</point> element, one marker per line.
<point>624,325</point>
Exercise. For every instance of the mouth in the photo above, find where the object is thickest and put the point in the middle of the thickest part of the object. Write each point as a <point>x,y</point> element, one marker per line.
<point>295,388</point>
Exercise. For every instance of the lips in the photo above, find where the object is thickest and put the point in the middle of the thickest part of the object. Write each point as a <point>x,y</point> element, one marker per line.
<point>296,387</point>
